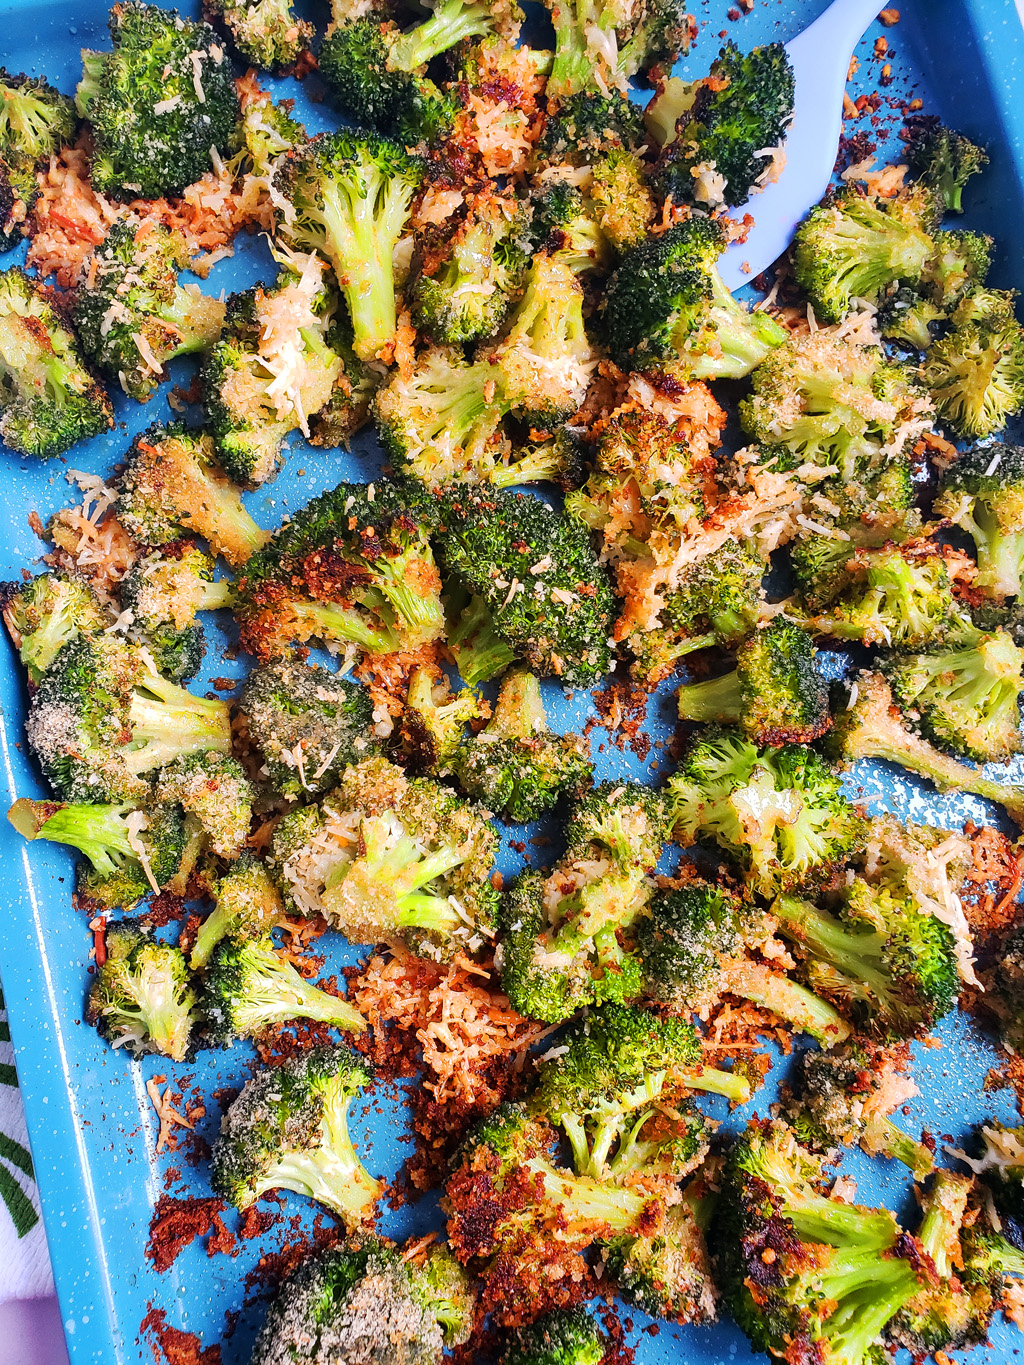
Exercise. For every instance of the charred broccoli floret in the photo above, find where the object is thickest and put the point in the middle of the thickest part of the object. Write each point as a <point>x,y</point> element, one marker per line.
<point>247,986</point>
<point>515,766</point>
<point>775,695</point>
<point>132,314</point>
<point>945,160</point>
<point>288,1130</point>
<point>141,996</point>
<point>351,192</point>
<point>172,486</point>
<point>565,1336</point>
<point>982,492</point>
<point>384,856</point>
<point>428,733</point>
<point>601,44</point>
<point>247,904</point>
<point>164,590</point>
<point>779,813</point>
<point>102,719</point>
<point>212,788</point>
<point>975,373</point>
<point>43,614</point>
<point>666,301</point>
<point>130,852</point>
<point>49,399</point>
<point>267,33</point>
<point>550,600</point>
<point>728,125</point>
<point>158,103</point>
<point>353,566</point>
<point>308,724</point>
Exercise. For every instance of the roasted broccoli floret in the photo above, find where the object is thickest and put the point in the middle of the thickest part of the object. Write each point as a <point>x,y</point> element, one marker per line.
<point>247,986</point>
<point>779,813</point>
<point>375,70</point>
<point>471,271</point>
<point>693,941</point>
<point>515,766</point>
<point>267,33</point>
<point>802,1271</point>
<point>534,569</point>
<point>617,1075</point>
<point>132,314</point>
<point>49,399</point>
<point>847,1096</point>
<point>560,947</point>
<point>775,695</point>
<point>212,788</point>
<point>601,44</point>
<point>666,301</point>
<point>162,105</point>
<point>43,614</point>
<point>854,245</point>
<point>172,486</point>
<point>274,370</point>
<point>353,566</point>
<point>958,266</point>
<point>945,160</point>
<point>129,852</point>
<point>102,719</point>
<point>351,192</point>
<point>870,727</point>
<point>966,698</point>
<point>982,492</point>
<point>35,121</point>
<point>141,996</point>
<point>975,373</point>
<point>565,1336</point>
<point>728,127</point>
<point>428,733</point>
<point>164,590</point>
<point>384,856</point>
<point>247,904</point>
<point>288,1130</point>
<point>308,723</point>
<point>479,651</point>
<point>669,1274</point>
<point>361,1302</point>
<point>620,199</point>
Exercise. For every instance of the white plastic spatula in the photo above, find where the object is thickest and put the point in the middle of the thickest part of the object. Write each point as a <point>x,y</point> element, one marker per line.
<point>821,60</point>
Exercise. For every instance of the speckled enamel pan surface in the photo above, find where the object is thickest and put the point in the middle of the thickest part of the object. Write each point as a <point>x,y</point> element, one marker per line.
<point>92,1126</point>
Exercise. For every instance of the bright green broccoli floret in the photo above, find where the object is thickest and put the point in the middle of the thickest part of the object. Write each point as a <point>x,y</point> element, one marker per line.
<point>982,492</point>
<point>479,651</point>
<point>267,131</point>
<point>779,813</point>
<point>548,598</point>
<point>164,590</point>
<point>384,856</point>
<point>42,615</point>
<point>308,723</point>
<point>266,32</point>
<point>975,373</point>
<point>565,1336</point>
<point>213,790</point>
<point>36,120</point>
<point>441,1285</point>
<point>516,766</point>
<point>666,301</point>
<point>853,246</point>
<point>871,727</point>
<point>49,399</point>
<point>288,1130</point>
<point>775,695</point>
<point>428,734</point>
<point>172,486</point>
<point>141,996</point>
<point>162,105</point>
<point>130,853</point>
<point>247,986</point>
<point>585,127</point>
<point>602,44</point>
<point>351,193</point>
<point>101,720</point>
<point>247,904</point>
<point>353,565</point>
<point>728,124</point>
<point>945,160</point>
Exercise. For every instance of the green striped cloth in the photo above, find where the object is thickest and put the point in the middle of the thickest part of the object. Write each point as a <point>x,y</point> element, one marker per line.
<point>23,1252</point>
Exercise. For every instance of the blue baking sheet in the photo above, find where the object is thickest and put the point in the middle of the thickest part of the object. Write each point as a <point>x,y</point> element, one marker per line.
<point>92,1127</point>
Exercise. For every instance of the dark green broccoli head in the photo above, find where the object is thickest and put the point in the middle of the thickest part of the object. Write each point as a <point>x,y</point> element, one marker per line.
<point>441,1285</point>
<point>157,103</point>
<point>43,614</point>
<point>288,1130</point>
<point>959,264</point>
<point>550,600</point>
<point>982,492</point>
<point>49,399</point>
<point>565,1336</point>
<point>308,723</point>
<point>247,904</point>
<point>536,986</point>
<point>141,996</point>
<point>600,47</point>
<point>627,821</point>
<point>586,126</point>
<point>945,160</point>
<point>212,788</point>
<point>267,33</point>
<point>682,937</point>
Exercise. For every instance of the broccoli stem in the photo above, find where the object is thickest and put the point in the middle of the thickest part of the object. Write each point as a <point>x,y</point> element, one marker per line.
<point>882,1135</point>
<point>586,1201</point>
<point>480,653</point>
<point>1000,553</point>
<point>420,618</point>
<point>427,912</point>
<point>277,993</point>
<point>332,1178</point>
<point>167,722</point>
<point>857,957</point>
<point>217,595</point>
<point>519,711</point>
<point>731,1084</point>
<point>846,1226</point>
<point>450,23</point>
<point>197,319</point>
<point>331,622</point>
<point>718,699</point>
<point>540,464</point>
<point>745,338</point>
<point>99,832</point>
<point>572,64</point>
<point>218,924</point>
<point>90,87</point>
<point>788,999</point>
